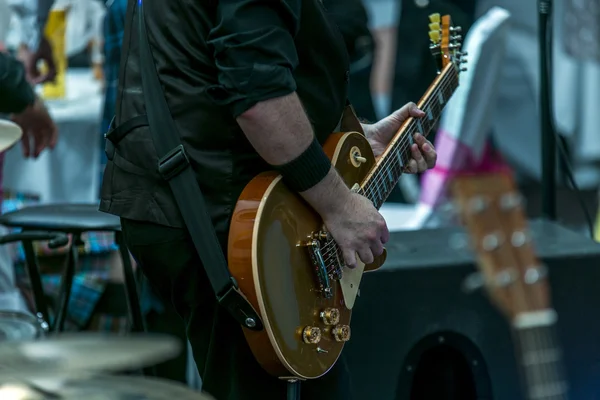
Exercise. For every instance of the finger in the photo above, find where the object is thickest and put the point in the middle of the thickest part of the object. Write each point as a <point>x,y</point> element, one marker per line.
<point>366,255</point>
<point>407,111</point>
<point>420,139</point>
<point>418,157</point>
<point>430,154</point>
<point>26,145</point>
<point>376,248</point>
<point>412,167</point>
<point>38,144</point>
<point>385,235</point>
<point>53,137</point>
<point>349,258</point>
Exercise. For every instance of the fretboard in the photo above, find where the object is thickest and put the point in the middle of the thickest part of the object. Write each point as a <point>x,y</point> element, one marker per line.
<point>385,174</point>
<point>541,361</point>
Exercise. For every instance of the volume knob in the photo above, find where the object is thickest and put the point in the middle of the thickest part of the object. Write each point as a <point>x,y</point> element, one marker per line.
<point>330,316</point>
<point>311,335</point>
<point>341,333</point>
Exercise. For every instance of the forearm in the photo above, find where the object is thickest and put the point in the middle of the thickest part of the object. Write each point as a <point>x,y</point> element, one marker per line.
<point>280,132</point>
<point>17,94</point>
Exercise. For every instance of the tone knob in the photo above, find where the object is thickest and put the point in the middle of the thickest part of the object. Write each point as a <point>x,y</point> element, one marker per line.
<point>330,316</point>
<point>311,335</point>
<point>341,333</point>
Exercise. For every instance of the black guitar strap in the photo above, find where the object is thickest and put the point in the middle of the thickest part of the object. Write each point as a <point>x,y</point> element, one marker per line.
<point>174,166</point>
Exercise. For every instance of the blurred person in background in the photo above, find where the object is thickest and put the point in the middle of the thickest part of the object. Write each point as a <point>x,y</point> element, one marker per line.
<point>351,18</point>
<point>39,132</point>
<point>34,47</point>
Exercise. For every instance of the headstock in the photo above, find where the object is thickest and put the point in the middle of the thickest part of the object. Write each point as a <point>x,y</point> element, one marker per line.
<point>446,42</point>
<point>491,209</point>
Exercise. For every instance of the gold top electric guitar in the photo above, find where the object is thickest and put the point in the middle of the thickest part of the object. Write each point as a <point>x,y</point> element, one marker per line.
<point>516,281</point>
<point>289,267</point>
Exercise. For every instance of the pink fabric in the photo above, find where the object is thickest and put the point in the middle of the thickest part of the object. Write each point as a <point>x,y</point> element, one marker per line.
<point>455,157</point>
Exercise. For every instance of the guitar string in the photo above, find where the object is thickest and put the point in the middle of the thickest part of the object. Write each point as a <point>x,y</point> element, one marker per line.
<point>444,84</point>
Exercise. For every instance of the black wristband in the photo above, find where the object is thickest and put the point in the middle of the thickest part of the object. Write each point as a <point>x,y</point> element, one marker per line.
<point>306,170</point>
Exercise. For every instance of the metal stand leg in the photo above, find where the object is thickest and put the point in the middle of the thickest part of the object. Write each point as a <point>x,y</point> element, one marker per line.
<point>293,390</point>
<point>35,279</point>
<point>66,285</point>
<point>131,292</point>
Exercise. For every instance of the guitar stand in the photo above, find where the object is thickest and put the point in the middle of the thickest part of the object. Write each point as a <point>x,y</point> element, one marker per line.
<point>293,390</point>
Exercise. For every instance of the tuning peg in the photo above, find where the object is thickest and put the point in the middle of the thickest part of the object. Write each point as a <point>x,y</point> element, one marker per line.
<point>456,37</point>
<point>434,26</point>
<point>464,53</point>
<point>434,36</point>
<point>459,241</point>
<point>435,18</point>
<point>463,69</point>
<point>473,282</point>
<point>455,28</point>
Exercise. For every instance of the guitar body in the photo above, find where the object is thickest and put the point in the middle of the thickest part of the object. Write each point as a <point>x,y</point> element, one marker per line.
<point>274,268</point>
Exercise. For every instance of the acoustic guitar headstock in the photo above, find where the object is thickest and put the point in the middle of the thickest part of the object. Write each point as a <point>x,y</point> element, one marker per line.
<point>491,209</point>
<point>446,42</point>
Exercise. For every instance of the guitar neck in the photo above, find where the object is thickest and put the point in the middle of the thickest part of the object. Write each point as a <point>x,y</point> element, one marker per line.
<point>541,361</point>
<point>389,167</point>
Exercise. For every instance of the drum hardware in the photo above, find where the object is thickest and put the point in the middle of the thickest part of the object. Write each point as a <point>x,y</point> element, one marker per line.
<point>17,326</point>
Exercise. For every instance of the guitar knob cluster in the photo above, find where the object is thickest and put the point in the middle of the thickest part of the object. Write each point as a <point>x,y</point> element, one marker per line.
<point>311,335</point>
<point>330,316</point>
<point>341,333</point>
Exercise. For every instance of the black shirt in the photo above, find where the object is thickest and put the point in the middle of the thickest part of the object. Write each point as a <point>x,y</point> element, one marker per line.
<point>216,59</point>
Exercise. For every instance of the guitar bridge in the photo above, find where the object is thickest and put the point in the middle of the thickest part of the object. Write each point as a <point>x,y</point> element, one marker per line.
<point>326,270</point>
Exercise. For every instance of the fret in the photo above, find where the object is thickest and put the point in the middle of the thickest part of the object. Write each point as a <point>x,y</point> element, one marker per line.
<point>389,168</point>
<point>541,358</point>
<point>554,390</point>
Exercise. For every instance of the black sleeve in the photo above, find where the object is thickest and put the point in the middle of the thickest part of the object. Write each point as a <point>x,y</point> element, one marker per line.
<point>15,92</point>
<point>254,51</point>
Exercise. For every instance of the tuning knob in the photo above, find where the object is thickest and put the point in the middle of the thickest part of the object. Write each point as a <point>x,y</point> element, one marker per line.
<point>341,333</point>
<point>311,335</point>
<point>435,18</point>
<point>434,36</point>
<point>434,26</point>
<point>330,316</point>
<point>455,29</point>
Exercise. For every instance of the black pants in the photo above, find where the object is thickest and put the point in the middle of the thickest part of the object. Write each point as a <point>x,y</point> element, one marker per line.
<point>227,367</point>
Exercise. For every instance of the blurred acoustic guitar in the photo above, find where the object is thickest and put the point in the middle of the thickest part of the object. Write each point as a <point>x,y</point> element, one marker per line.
<point>516,281</point>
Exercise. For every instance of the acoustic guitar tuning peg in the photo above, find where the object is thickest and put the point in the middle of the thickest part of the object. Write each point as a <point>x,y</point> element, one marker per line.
<point>473,282</point>
<point>458,242</point>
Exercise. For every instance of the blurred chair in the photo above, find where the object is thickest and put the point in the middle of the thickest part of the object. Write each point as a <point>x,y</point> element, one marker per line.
<point>73,219</point>
<point>465,123</point>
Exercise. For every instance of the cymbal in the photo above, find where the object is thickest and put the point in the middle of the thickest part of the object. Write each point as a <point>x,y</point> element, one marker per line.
<point>81,353</point>
<point>107,388</point>
<point>10,133</point>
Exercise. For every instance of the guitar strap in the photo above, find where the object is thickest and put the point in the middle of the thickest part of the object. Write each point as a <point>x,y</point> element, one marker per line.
<point>175,168</point>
